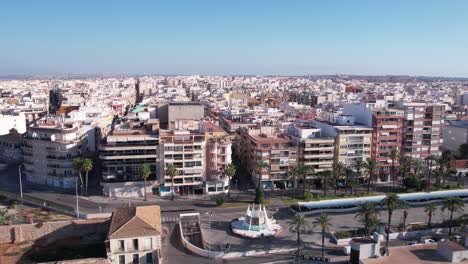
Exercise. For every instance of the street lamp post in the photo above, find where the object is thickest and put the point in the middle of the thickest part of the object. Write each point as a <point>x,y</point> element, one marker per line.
<point>77,204</point>
<point>20,182</point>
<point>209,231</point>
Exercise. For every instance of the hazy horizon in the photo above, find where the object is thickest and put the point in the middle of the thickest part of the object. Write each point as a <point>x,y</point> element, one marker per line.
<point>368,38</point>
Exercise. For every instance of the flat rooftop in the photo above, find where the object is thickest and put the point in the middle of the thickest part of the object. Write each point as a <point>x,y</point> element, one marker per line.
<point>416,254</point>
<point>459,123</point>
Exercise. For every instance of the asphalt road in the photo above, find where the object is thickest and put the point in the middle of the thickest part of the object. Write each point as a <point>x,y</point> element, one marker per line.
<point>219,223</point>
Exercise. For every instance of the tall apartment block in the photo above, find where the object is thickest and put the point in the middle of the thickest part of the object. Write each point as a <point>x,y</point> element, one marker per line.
<point>315,150</point>
<point>186,150</point>
<point>254,145</point>
<point>218,156</point>
<point>169,113</point>
<point>122,153</point>
<point>50,145</point>
<point>455,134</point>
<point>387,132</point>
<point>352,142</point>
<point>422,129</point>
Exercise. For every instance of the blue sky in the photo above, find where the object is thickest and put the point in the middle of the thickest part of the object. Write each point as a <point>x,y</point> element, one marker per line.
<point>235,37</point>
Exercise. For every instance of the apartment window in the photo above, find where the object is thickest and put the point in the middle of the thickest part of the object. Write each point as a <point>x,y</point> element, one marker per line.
<point>149,258</point>
<point>135,259</point>
<point>148,243</point>
<point>121,245</point>
<point>122,259</point>
<point>135,244</point>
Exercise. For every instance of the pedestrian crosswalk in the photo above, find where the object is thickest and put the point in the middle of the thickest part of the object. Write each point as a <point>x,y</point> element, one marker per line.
<point>170,219</point>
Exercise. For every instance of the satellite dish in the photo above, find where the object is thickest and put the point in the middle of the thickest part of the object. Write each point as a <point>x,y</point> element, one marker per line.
<point>52,138</point>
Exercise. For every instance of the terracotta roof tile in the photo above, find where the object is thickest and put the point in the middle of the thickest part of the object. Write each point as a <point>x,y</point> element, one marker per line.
<point>135,221</point>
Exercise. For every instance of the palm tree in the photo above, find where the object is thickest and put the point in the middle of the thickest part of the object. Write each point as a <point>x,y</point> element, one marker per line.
<point>338,170</point>
<point>307,170</point>
<point>439,170</point>
<point>370,166</point>
<point>145,173</point>
<point>324,222</point>
<point>431,158</point>
<point>405,215</point>
<point>293,175</point>
<point>230,172</point>
<point>393,156</point>
<point>453,205</point>
<point>350,180</point>
<point>297,225</point>
<point>445,163</point>
<point>358,165</point>
<point>404,165</point>
<point>392,202</point>
<point>77,164</point>
<point>261,166</point>
<point>325,176</point>
<point>430,208</point>
<point>171,171</point>
<point>367,216</point>
<point>416,167</point>
<point>87,166</point>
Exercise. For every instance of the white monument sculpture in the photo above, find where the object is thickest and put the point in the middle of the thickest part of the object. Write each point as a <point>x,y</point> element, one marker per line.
<point>255,223</point>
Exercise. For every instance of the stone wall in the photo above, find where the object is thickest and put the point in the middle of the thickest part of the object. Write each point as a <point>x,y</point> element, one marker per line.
<point>49,231</point>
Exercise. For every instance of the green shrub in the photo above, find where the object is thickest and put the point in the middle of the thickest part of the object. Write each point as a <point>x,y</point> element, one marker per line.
<point>308,196</point>
<point>219,201</point>
<point>343,234</point>
<point>417,227</point>
<point>259,196</point>
<point>412,182</point>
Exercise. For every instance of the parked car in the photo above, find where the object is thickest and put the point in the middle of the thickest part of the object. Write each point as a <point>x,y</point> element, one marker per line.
<point>457,238</point>
<point>347,250</point>
<point>412,243</point>
<point>429,241</point>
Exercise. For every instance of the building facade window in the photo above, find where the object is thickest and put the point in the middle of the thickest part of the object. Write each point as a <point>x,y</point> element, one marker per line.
<point>149,258</point>
<point>121,245</point>
<point>121,259</point>
<point>136,259</point>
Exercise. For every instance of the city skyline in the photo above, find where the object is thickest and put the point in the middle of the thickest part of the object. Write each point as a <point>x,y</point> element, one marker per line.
<point>421,38</point>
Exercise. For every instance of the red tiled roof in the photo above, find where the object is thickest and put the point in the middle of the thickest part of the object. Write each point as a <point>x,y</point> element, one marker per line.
<point>135,222</point>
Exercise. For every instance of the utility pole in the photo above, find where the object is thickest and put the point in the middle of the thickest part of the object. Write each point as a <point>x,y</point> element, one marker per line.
<point>77,204</point>
<point>209,232</point>
<point>20,183</point>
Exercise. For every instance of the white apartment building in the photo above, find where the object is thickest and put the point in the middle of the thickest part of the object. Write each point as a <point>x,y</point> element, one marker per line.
<point>186,150</point>
<point>352,142</point>
<point>122,153</point>
<point>50,146</point>
<point>315,150</point>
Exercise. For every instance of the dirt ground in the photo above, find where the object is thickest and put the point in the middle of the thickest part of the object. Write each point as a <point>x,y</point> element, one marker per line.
<point>12,253</point>
<point>39,215</point>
